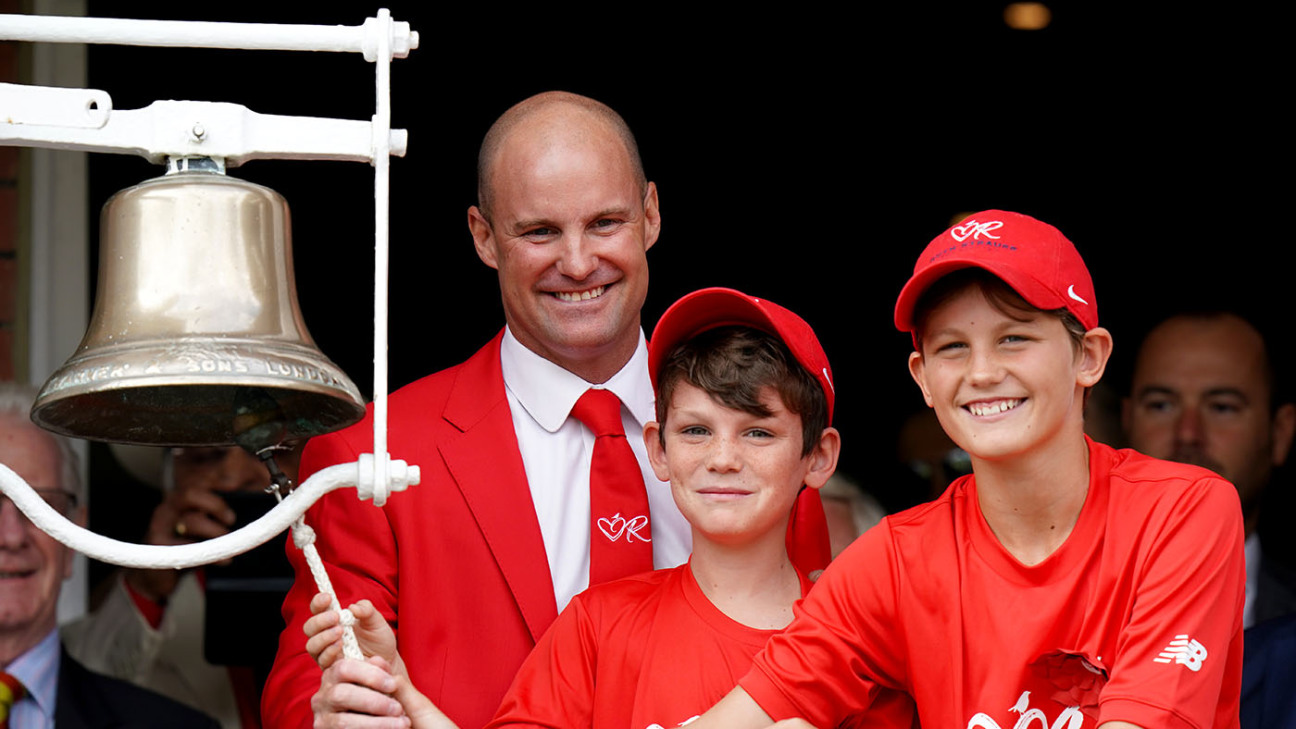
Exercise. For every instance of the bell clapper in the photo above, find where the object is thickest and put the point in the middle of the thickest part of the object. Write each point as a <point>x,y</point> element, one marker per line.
<point>280,484</point>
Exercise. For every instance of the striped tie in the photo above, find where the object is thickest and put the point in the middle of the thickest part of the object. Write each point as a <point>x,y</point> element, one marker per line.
<point>11,692</point>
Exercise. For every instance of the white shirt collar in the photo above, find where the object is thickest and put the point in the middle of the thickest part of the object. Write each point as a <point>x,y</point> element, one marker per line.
<point>548,392</point>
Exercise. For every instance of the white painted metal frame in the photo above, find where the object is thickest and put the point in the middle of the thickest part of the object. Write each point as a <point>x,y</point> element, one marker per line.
<point>83,119</point>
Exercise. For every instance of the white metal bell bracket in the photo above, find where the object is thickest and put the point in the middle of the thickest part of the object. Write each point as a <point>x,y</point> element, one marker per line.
<point>181,556</point>
<point>83,119</point>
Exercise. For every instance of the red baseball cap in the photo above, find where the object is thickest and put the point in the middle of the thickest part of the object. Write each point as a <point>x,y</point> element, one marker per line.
<point>710,308</point>
<point>1031,256</point>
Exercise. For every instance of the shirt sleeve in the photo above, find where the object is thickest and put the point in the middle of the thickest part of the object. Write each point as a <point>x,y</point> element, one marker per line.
<point>828,664</point>
<point>1179,656</point>
<point>554,688</point>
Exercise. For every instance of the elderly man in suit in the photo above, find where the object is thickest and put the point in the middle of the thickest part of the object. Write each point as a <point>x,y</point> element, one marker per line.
<point>40,685</point>
<point>508,524</point>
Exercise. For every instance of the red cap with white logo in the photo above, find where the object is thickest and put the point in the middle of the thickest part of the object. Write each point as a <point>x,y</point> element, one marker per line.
<point>1032,257</point>
<point>719,307</point>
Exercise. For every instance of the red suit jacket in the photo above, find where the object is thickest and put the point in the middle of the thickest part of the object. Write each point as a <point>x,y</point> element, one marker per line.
<point>475,582</point>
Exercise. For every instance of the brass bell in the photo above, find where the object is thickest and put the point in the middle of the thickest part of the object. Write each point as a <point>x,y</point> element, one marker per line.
<point>196,336</point>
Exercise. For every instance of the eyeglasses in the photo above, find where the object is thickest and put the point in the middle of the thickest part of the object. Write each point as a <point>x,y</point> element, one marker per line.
<point>64,502</point>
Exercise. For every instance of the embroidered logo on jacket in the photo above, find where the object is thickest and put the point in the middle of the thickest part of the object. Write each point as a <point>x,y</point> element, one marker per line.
<point>1185,651</point>
<point>1070,718</point>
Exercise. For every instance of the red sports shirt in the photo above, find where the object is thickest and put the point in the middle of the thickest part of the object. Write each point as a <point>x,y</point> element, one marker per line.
<point>646,651</point>
<point>1136,617</point>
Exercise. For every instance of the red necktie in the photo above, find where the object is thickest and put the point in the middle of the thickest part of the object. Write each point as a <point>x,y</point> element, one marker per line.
<point>620,533</point>
<point>11,692</point>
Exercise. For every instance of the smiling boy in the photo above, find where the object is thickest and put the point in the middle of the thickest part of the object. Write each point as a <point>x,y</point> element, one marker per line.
<point>742,426</point>
<point>1063,584</point>
<point>744,401</point>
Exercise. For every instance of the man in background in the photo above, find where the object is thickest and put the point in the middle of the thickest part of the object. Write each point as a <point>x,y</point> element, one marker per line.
<point>152,626</point>
<point>42,684</point>
<point>1204,391</point>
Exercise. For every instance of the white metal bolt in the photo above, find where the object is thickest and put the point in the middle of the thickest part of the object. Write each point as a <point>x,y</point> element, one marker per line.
<point>198,131</point>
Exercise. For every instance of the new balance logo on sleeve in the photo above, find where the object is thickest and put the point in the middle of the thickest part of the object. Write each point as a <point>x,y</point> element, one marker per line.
<point>1183,650</point>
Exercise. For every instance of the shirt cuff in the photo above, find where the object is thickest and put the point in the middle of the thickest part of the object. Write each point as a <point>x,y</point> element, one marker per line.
<point>768,695</point>
<point>1141,714</point>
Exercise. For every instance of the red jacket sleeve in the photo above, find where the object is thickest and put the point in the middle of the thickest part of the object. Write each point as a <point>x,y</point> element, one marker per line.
<point>355,542</point>
<point>554,688</point>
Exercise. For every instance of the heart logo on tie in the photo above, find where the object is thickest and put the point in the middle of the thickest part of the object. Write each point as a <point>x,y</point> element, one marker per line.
<point>616,526</point>
<point>613,528</point>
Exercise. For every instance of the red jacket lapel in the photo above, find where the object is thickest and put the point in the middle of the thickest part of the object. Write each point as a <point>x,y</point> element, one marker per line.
<point>487,467</point>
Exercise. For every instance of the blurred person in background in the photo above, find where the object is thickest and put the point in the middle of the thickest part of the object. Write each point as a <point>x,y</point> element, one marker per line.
<point>40,684</point>
<point>152,627</point>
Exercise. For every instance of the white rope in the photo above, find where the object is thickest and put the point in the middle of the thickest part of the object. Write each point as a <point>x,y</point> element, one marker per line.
<point>304,537</point>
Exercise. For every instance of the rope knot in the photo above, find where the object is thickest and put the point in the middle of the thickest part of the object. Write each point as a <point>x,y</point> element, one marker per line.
<point>303,535</point>
<point>345,618</point>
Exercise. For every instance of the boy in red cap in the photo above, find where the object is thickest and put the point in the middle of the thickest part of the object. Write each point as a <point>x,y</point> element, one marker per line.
<point>1064,584</point>
<point>744,406</point>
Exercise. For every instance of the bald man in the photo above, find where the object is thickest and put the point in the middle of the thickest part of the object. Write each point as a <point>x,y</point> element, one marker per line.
<point>472,565</point>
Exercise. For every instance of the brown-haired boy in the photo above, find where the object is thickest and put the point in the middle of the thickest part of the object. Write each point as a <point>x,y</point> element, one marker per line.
<point>744,402</point>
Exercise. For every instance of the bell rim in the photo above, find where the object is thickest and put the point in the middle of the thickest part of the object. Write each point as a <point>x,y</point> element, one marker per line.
<point>292,372</point>
<point>343,413</point>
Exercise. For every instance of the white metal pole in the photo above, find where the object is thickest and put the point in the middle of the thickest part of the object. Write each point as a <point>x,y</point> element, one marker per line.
<point>382,192</point>
<point>202,34</point>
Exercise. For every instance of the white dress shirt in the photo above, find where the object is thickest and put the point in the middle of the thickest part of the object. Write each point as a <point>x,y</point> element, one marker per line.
<point>556,453</point>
